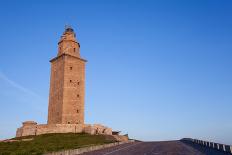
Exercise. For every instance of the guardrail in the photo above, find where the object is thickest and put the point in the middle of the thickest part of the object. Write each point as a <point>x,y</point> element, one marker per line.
<point>217,146</point>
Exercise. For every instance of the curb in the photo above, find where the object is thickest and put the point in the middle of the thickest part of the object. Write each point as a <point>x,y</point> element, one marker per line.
<point>87,149</point>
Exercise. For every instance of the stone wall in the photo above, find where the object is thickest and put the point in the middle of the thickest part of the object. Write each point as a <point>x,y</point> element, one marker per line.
<point>67,90</point>
<point>56,91</point>
<point>97,129</point>
<point>34,129</point>
<point>31,128</point>
<point>28,128</point>
<point>88,149</point>
<point>73,91</point>
<point>59,128</point>
<point>121,138</point>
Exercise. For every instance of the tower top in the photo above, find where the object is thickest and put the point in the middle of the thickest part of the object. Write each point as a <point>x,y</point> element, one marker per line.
<point>68,28</point>
<point>68,43</point>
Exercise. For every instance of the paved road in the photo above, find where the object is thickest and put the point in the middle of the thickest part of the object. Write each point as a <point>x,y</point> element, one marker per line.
<point>156,148</point>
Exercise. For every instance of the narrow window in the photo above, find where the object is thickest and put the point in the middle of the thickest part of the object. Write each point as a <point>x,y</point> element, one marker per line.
<point>77,111</point>
<point>78,95</point>
<point>78,83</point>
<point>70,81</point>
<point>70,68</point>
<point>68,122</point>
<point>74,49</point>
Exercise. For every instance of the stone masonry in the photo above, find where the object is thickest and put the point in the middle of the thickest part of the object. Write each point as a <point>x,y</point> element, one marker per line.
<point>67,83</point>
<point>67,93</point>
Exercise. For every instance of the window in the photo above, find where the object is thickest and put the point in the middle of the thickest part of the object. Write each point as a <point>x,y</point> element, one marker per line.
<point>70,68</point>
<point>78,95</point>
<point>68,122</point>
<point>74,49</point>
<point>70,81</point>
<point>78,83</point>
<point>77,111</point>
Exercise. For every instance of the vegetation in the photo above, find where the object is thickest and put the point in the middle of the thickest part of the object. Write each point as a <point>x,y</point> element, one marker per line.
<point>51,142</point>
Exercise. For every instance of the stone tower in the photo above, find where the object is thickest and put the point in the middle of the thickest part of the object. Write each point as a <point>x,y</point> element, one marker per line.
<point>66,96</point>
<point>67,82</point>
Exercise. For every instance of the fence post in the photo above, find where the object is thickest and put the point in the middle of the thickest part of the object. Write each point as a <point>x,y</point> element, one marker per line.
<point>224,148</point>
<point>230,149</point>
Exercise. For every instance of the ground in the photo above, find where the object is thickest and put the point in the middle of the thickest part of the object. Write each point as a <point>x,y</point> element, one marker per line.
<point>51,142</point>
<point>54,142</point>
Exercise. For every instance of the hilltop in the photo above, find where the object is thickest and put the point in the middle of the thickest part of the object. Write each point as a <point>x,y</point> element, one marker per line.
<point>51,142</point>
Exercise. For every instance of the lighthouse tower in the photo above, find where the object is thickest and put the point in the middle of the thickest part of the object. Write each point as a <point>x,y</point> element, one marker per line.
<point>67,82</point>
<point>66,95</point>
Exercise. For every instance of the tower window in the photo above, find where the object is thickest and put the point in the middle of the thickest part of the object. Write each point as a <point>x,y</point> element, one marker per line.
<point>78,95</point>
<point>77,111</point>
<point>70,68</point>
<point>70,81</point>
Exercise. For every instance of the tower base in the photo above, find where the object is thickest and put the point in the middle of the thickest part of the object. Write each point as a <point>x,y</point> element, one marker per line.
<point>32,128</point>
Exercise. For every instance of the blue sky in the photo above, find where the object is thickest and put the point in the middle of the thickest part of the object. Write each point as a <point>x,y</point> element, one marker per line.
<point>157,70</point>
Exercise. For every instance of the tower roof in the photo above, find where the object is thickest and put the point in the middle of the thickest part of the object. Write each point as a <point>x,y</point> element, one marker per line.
<point>68,43</point>
<point>68,28</point>
<point>68,34</point>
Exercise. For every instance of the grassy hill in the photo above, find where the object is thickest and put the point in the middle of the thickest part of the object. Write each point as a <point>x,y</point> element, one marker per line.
<point>51,142</point>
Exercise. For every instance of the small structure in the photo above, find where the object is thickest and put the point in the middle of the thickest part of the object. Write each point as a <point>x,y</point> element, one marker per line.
<point>67,93</point>
<point>116,132</point>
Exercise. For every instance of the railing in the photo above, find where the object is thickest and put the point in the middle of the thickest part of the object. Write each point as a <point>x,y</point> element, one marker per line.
<point>217,146</point>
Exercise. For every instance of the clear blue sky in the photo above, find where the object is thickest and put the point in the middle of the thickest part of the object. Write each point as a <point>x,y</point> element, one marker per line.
<point>158,69</point>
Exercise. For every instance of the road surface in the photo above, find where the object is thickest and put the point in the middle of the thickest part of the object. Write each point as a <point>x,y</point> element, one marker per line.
<point>157,148</point>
